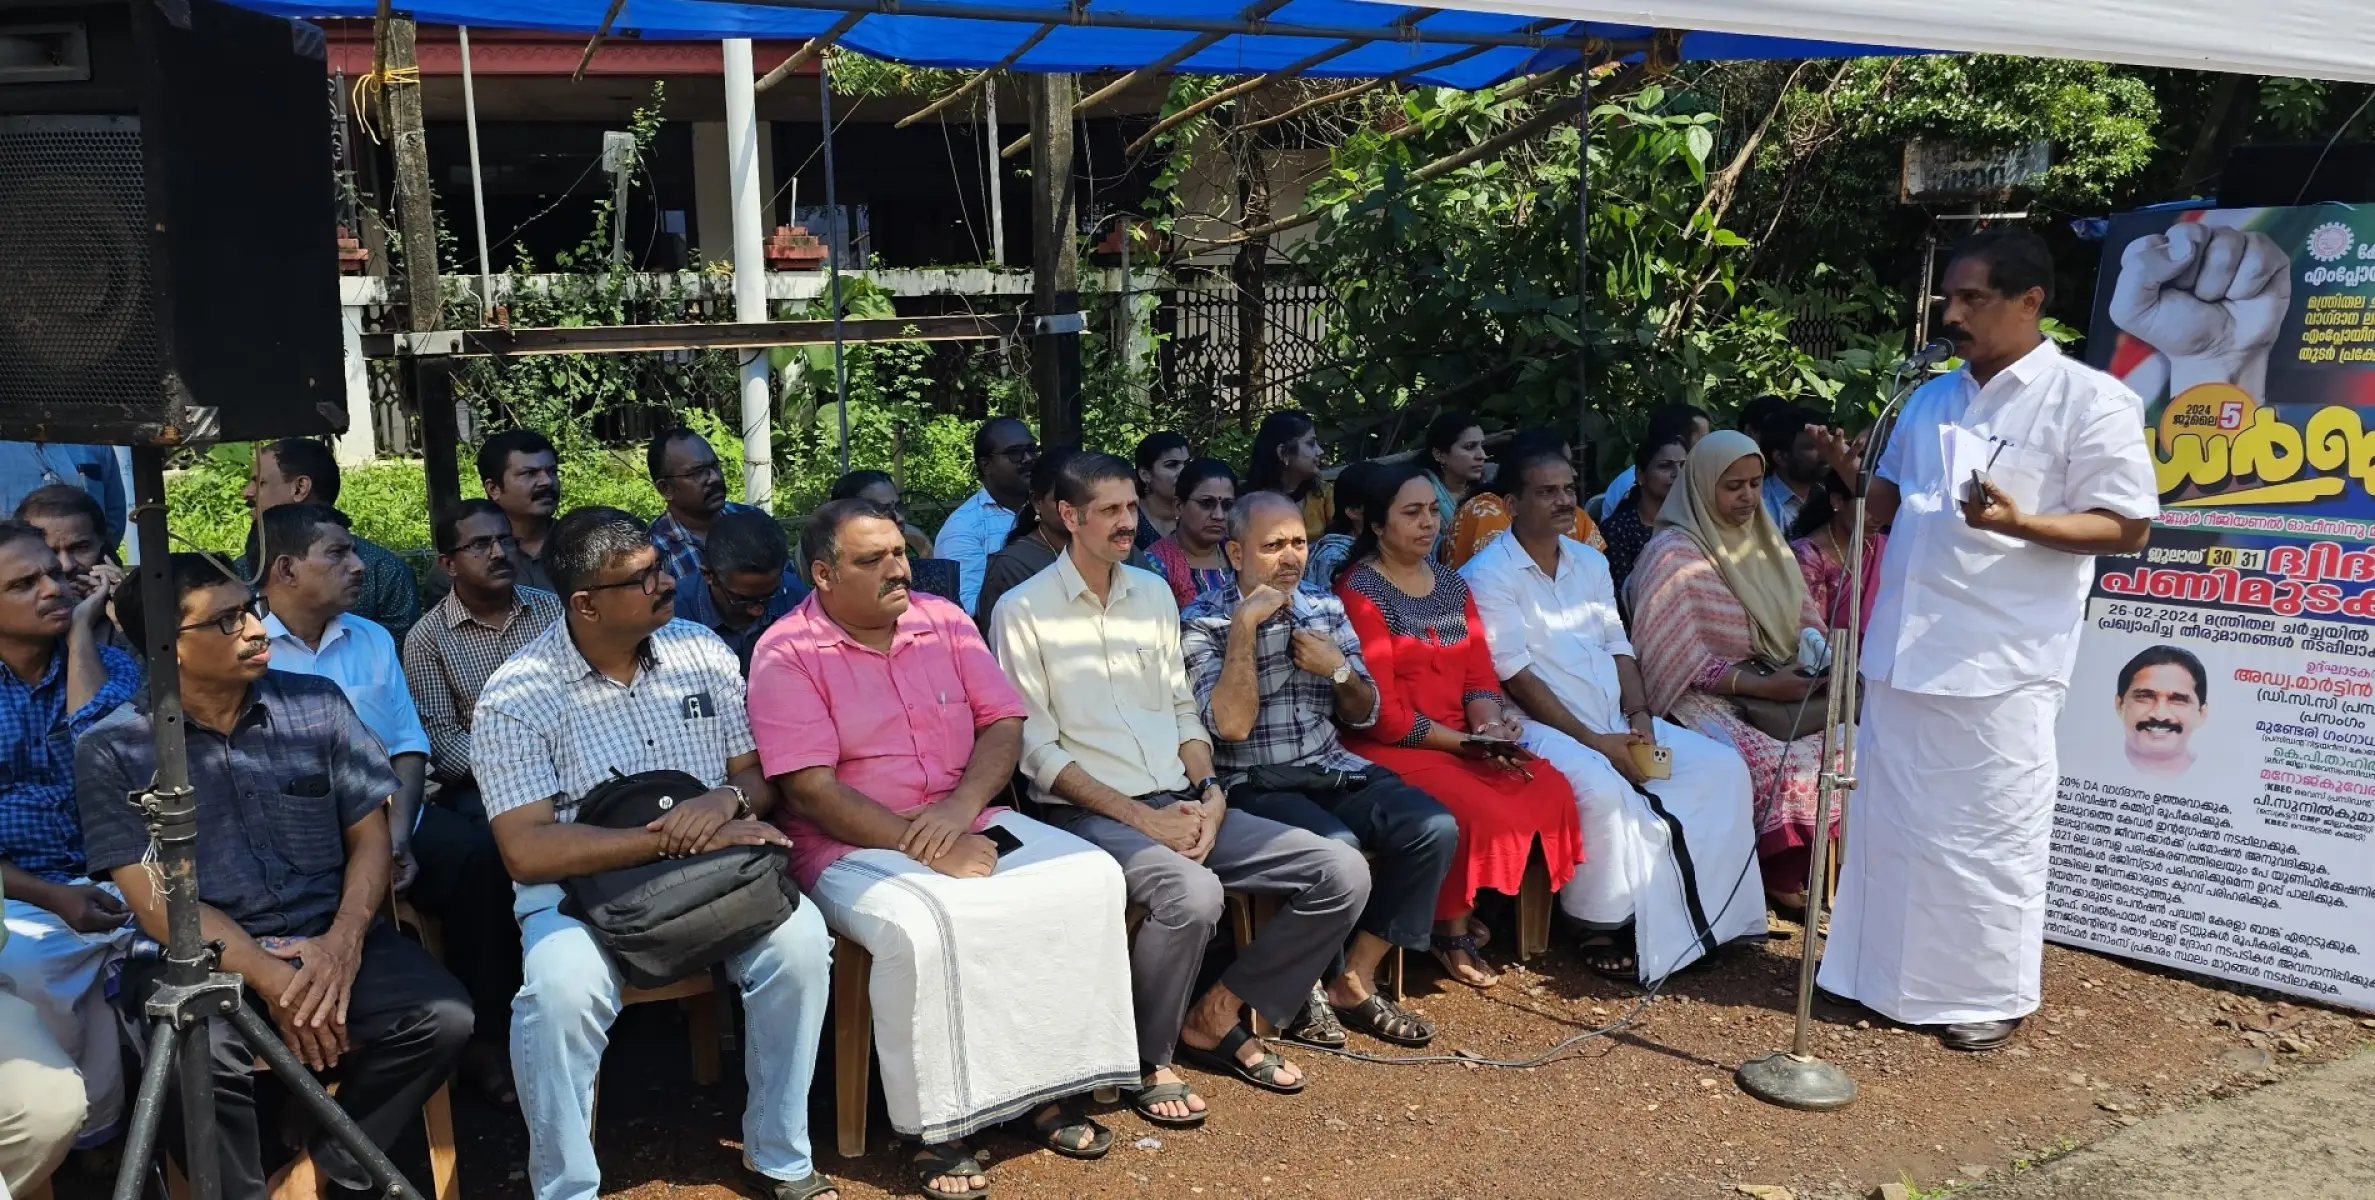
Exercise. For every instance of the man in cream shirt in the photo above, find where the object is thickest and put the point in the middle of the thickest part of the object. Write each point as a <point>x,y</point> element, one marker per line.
<point>1941,913</point>
<point>1114,748</point>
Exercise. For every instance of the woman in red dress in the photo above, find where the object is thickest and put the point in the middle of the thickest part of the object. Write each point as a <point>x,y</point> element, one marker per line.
<point>1439,706</point>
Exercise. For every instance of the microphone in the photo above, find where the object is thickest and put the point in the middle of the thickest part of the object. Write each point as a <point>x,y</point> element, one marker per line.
<point>1938,351</point>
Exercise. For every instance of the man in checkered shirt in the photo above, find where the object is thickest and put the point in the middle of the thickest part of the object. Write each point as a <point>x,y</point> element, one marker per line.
<point>1276,665</point>
<point>620,687</point>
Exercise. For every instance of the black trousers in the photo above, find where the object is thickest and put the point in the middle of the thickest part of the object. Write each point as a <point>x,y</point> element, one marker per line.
<point>462,883</point>
<point>1413,836</point>
<point>406,1023</point>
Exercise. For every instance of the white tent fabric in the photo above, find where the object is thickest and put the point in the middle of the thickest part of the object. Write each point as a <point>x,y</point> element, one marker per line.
<point>2320,39</point>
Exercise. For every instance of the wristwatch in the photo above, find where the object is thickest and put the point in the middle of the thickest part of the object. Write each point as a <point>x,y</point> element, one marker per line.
<point>1209,781</point>
<point>1342,673</point>
<point>741,802</point>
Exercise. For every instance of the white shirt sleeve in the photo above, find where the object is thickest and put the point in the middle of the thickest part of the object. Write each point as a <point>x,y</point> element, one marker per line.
<point>1498,603</point>
<point>2110,465</point>
<point>513,765</point>
<point>1910,424</point>
<point>1016,643</point>
<point>1600,587</point>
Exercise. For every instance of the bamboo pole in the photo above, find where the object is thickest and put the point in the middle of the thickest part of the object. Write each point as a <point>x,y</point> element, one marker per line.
<point>808,51</point>
<point>966,88</point>
<point>1186,50</point>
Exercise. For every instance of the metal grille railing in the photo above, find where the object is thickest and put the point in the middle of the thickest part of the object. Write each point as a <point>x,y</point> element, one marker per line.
<point>1200,356</point>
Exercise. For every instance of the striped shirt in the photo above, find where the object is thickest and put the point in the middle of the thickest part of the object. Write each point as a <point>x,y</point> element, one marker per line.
<point>448,658</point>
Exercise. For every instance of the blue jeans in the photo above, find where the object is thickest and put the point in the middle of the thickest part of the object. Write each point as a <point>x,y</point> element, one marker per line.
<point>560,1023</point>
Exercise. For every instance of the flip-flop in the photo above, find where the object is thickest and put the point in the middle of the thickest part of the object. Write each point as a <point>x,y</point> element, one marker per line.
<point>1610,954</point>
<point>1222,1060</point>
<point>807,1187</point>
<point>1443,947</point>
<point>949,1159</point>
<point>1049,1123</point>
<point>1385,1020</point>
<point>1143,1101</point>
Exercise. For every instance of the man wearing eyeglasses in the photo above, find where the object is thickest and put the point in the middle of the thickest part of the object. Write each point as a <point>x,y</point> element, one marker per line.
<point>619,687</point>
<point>746,582</point>
<point>693,483</point>
<point>62,928</point>
<point>452,650</point>
<point>1003,452</point>
<point>293,863</point>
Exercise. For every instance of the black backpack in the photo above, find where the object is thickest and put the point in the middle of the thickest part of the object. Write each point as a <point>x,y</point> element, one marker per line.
<point>670,918</point>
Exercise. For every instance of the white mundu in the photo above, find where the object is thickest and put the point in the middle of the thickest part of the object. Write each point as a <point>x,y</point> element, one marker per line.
<point>1941,909</point>
<point>1679,862</point>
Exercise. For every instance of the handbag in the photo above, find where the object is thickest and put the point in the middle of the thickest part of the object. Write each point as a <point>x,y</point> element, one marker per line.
<point>1310,781</point>
<point>664,920</point>
<point>1788,720</point>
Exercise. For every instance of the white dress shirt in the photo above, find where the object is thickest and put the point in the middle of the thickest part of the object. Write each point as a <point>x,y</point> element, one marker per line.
<point>1963,612</point>
<point>360,657</point>
<point>976,530</point>
<point>1566,629</point>
<point>1106,684</point>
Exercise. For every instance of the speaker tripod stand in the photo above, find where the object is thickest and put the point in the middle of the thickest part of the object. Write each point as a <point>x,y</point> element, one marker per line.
<point>193,993</point>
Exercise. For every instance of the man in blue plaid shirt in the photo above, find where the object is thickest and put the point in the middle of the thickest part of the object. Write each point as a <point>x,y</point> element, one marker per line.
<point>62,928</point>
<point>692,483</point>
<point>1276,666</point>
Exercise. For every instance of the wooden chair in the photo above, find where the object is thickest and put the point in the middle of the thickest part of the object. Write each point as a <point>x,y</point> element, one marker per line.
<point>1533,906</point>
<point>704,1031</point>
<point>853,1044</point>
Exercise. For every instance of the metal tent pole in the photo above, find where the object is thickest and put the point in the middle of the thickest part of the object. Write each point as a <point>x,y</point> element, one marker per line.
<point>836,237</point>
<point>996,174</point>
<point>478,190</point>
<point>750,268</point>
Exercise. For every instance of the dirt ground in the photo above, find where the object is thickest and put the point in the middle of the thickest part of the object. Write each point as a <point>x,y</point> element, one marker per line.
<point>1647,1111</point>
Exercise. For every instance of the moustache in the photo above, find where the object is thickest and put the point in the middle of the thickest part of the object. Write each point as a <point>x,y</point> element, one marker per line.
<point>500,569</point>
<point>889,586</point>
<point>255,649</point>
<point>1954,333</point>
<point>2154,723</point>
<point>664,601</point>
<point>545,493</point>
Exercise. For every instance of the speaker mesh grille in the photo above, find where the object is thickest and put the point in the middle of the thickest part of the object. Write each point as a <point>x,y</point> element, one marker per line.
<point>76,326</point>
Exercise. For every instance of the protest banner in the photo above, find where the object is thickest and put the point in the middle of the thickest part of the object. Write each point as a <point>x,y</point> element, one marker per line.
<point>2218,743</point>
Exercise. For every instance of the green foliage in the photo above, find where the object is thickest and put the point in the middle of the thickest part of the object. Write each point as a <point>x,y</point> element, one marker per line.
<point>862,76</point>
<point>1461,291</point>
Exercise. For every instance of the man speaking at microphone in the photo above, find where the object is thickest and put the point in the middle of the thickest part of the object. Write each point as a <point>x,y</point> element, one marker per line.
<point>2003,479</point>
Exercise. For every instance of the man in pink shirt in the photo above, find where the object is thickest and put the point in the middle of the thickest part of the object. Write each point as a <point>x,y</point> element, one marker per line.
<point>1001,970</point>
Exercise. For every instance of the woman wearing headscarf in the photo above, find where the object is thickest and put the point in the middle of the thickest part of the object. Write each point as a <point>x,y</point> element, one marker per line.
<point>1719,609</point>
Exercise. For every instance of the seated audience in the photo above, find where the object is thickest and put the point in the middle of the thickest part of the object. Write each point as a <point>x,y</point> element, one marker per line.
<point>521,473</point>
<point>879,487</point>
<point>1034,543</point>
<point>485,618</point>
<point>302,471</point>
<point>1287,459</point>
<point>75,528</point>
<point>1718,604</point>
<point>1335,541</point>
<point>93,470</point>
<point>1825,528</point>
<point>42,1099</point>
<point>1663,858</point>
<point>63,926</point>
<point>1794,462</point>
<point>1455,461</point>
<point>1633,514</point>
<point>1276,667</point>
<point>293,862</point>
<point>1485,515</point>
<point>1441,723</point>
<point>618,687</point>
<point>1114,750</point>
<point>1191,558</point>
<point>888,729</point>
<point>746,581</point>
<point>1161,455</point>
<point>1003,450</point>
<point>692,483</point>
<point>1685,423</point>
<point>312,578</point>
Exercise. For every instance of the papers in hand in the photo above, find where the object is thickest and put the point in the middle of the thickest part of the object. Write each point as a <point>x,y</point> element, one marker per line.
<point>1966,454</point>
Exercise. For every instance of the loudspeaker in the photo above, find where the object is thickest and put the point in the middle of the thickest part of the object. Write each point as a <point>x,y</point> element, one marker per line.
<point>168,239</point>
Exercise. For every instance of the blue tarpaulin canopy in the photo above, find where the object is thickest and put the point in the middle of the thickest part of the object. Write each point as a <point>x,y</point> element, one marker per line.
<point>1115,35</point>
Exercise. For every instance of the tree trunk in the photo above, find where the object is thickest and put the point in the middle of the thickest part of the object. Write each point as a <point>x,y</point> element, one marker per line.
<point>428,381</point>
<point>1055,257</point>
<point>1250,272</point>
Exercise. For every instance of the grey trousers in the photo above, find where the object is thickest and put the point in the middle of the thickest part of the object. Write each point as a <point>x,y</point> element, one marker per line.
<point>1324,885</point>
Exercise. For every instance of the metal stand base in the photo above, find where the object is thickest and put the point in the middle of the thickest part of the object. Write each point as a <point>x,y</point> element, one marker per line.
<point>1808,1084</point>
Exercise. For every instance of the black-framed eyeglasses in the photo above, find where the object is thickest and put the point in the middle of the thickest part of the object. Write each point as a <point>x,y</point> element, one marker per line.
<point>479,547</point>
<point>1019,455</point>
<point>648,579</point>
<point>230,623</point>
<point>707,470</point>
<point>1219,504</point>
<point>738,601</point>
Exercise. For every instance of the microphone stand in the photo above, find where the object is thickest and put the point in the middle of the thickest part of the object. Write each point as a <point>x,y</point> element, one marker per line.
<point>1797,1077</point>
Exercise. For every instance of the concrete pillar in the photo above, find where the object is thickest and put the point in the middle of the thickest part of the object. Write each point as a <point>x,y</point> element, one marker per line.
<point>713,202</point>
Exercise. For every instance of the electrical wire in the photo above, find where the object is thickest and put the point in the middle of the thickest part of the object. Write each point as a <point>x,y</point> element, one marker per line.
<point>2328,148</point>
